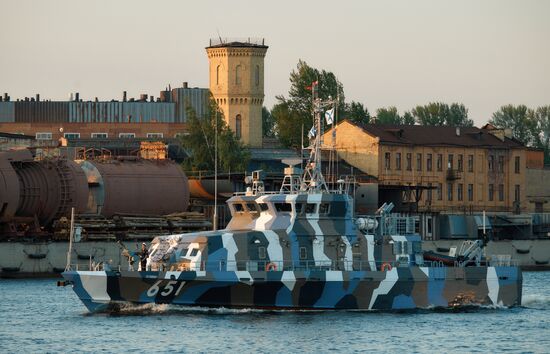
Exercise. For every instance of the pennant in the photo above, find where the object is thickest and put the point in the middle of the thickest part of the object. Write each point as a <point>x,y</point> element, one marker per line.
<point>329,116</point>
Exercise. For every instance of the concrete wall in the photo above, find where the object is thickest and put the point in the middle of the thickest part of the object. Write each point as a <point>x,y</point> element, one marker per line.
<point>538,190</point>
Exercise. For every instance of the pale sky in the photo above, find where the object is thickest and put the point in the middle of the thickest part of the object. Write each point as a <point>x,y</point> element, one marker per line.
<point>481,53</point>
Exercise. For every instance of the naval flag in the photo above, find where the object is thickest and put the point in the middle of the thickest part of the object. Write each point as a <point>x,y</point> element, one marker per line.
<point>329,116</point>
<point>312,132</point>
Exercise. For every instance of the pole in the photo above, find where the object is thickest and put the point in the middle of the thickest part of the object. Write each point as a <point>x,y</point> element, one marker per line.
<point>215,221</point>
<point>71,235</point>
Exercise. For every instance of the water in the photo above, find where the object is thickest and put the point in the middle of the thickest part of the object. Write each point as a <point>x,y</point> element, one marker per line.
<point>37,316</point>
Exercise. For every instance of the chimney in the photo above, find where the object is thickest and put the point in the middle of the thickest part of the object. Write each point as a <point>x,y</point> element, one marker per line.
<point>6,98</point>
<point>457,131</point>
<point>124,96</point>
<point>96,99</point>
<point>77,96</point>
<point>143,97</point>
<point>151,98</point>
<point>37,97</point>
<point>185,84</point>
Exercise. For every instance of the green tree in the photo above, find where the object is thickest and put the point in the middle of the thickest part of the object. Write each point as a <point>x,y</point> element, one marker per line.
<point>232,154</point>
<point>388,116</point>
<point>268,123</point>
<point>408,118</point>
<point>439,114</point>
<point>541,123</point>
<point>517,119</point>
<point>356,112</point>
<point>295,112</point>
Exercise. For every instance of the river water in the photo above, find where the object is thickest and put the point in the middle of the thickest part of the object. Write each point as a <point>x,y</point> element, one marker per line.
<point>37,316</point>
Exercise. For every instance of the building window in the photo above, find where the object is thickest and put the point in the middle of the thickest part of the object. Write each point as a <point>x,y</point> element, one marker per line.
<point>43,136</point>
<point>429,162</point>
<point>155,135</point>
<point>429,198</point>
<point>72,135</point>
<point>238,75</point>
<point>419,162</point>
<point>501,164</point>
<point>100,135</point>
<point>470,192</point>
<point>470,163</point>
<point>439,162</point>
<point>459,191</point>
<point>398,161</point>
<point>257,75</point>
<point>409,161</point>
<point>516,164</point>
<point>387,160</point>
<point>439,191</point>
<point>501,192</point>
<point>516,193</point>
<point>127,135</point>
<point>491,192</point>
<point>449,191</point>
<point>460,162</point>
<point>218,75</point>
<point>450,162</point>
<point>238,126</point>
<point>491,165</point>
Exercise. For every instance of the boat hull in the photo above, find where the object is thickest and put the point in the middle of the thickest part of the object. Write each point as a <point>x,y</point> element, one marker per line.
<point>396,289</point>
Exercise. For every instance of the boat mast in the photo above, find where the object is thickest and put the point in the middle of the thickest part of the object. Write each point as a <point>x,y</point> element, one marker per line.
<point>313,180</point>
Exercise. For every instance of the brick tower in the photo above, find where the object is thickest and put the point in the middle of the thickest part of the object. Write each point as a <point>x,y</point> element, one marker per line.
<point>237,85</point>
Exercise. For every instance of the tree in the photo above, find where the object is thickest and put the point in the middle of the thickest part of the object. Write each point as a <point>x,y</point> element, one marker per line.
<point>292,114</point>
<point>356,112</point>
<point>541,123</point>
<point>408,118</point>
<point>439,114</point>
<point>268,123</point>
<point>232,155</point>
<point>388,116</point>
<point>517,119</point>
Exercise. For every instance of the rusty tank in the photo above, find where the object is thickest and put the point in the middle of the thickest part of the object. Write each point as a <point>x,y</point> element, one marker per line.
<point>45,190</point>
<point>128,185</point>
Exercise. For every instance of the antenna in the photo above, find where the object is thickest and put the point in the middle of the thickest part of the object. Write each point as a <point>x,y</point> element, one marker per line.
<point>219,36</point>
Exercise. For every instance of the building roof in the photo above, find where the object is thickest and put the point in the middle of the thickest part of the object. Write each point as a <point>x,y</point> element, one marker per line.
<point>437,136</point>
<point>16,136</point>
<point>237,43</point>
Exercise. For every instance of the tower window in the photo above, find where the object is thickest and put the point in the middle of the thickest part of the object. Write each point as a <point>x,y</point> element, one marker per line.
<point>238,75</point>
<point>257,75</point>
<point>238,126</point>
<point>217,75</point>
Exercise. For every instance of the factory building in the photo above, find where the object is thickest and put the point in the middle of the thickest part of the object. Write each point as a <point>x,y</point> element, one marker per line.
<point>147,117</point>
<point>450,169</point>
<point>237,85</point>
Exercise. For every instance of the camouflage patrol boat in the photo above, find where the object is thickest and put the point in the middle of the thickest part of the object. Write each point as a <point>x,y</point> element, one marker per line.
<point>303,248</point>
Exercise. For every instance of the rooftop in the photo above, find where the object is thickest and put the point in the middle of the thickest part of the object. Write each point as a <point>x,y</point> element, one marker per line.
<point>237,42</point>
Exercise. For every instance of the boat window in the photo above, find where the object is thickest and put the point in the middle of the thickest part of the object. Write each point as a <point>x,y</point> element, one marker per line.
<point>324,209</point>
<point>283,207</point>
<point>406,247</point>
<point>251,207</point>
<point>303,253</point>
<point>261,252</point>
<point>299,208</point>
<point>194,252</point>
<point>263,206</point>
<point>397,247</point>
<point>238,207</point>
<point>184,252</point>
<point>417,247</point>
<point>310,208</point>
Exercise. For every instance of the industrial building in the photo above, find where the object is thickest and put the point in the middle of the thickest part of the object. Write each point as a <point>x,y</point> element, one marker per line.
<point>147,117</point>
<point>444,169</point>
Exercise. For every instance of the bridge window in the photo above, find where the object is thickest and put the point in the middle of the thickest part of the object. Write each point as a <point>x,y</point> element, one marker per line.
<point>238,207</point>
<point>263,206</point>
<point>283,207</point>
<point>310,208</point>
<point>324,209</point>
<point>251,207</point>
<point>194,252</point>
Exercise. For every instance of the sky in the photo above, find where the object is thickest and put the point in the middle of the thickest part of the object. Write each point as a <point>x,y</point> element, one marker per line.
<point>482,53</point>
